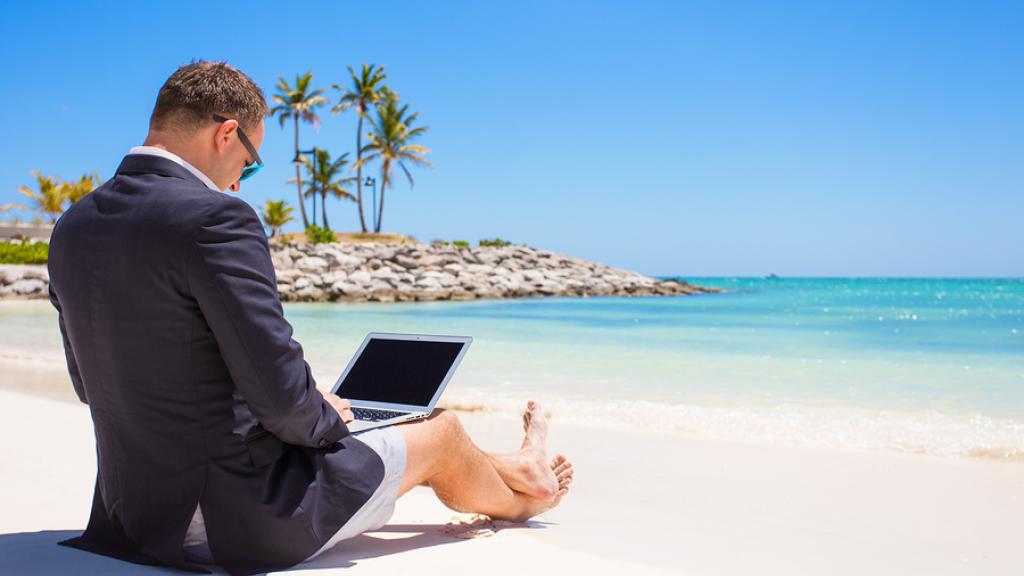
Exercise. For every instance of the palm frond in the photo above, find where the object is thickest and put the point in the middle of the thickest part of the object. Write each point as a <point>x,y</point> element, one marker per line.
<point>366,89</point>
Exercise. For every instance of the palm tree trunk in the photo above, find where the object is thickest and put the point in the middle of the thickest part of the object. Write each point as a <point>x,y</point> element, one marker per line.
<point>323,209</point>
<point>298,175</point>
<point>383,186</point>
<point>359,171</point>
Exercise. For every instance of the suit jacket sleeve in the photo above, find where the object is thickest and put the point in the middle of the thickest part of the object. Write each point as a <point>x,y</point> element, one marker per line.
<point>232,278</point>
<point>69,354</point>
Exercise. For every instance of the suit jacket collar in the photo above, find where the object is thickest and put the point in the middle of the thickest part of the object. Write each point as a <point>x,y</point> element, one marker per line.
<point>149,164</point>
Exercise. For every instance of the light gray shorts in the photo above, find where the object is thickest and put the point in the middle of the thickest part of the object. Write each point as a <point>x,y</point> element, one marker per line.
<point>389,444</point>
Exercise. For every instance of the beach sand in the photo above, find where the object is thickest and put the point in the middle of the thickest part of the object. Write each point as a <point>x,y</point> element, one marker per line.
<point>642,502</point>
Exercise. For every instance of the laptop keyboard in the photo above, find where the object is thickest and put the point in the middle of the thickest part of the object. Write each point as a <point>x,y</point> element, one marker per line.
<point>375,415</point>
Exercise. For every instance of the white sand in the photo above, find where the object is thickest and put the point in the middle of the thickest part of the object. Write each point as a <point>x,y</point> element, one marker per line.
<point>641,504</point>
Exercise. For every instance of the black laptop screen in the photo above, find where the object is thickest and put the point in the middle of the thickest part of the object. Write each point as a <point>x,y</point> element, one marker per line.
<point>399,371</point>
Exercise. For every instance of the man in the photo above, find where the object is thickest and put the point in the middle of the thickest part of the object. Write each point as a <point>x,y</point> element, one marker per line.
<point>213,443</point>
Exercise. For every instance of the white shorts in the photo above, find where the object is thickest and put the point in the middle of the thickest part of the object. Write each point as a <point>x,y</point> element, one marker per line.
<point>389,444</point>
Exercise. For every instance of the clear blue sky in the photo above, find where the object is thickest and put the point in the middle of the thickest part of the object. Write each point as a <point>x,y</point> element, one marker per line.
<point>691,138</point>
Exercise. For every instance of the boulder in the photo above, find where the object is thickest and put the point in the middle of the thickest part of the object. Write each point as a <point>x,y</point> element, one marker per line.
<point>331,277</point>
<point>26,287</point>
<point>36,274</point>
<point>406,261</point>
<point>360,277</point>
<point>428,282</point>
<point>281,259</point>
<point>311,294</point>
<point>11,275</point>
<point>534,276</point>
<point>311,264</point>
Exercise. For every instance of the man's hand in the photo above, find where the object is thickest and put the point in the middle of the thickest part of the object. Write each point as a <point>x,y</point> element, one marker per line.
<point>344,407</point>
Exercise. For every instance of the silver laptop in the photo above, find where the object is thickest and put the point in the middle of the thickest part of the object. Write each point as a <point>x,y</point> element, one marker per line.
<point>398,377</point>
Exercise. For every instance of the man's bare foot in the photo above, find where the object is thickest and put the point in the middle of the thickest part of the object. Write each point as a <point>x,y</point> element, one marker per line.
<point>534,476</point>
<point>562,469</point>
<point>527,470</point>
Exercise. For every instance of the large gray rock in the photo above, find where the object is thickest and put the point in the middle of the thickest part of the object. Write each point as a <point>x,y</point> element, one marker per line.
<point>281,259</point>
<point>37,274</point>
<point>361,277</point>
<point>385,274</point>
<point>332,277</point>
<point>11,275</point>
<point>428,282</point>
<point>312,264</point>
<point>27,287</point>
<point>342,287</point>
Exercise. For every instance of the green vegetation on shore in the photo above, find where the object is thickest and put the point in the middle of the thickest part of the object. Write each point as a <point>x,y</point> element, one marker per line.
<point>24,252</point>
<point>318,235</point>
<point>494,242</point>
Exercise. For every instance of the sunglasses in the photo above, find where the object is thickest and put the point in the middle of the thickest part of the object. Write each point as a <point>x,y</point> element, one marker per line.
<point>252,167</point>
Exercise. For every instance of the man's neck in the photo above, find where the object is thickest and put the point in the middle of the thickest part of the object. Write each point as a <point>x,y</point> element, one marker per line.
<point>185,153</point>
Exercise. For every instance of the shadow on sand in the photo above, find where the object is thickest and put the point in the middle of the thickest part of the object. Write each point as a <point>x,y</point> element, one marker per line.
<point>37,553</point>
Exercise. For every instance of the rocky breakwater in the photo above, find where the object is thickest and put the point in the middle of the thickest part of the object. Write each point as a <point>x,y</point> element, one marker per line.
<point>414,272</point>
<point>422,272</point>
<point>22,281</point>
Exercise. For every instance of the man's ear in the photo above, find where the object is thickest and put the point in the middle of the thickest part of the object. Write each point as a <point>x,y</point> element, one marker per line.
<point>223,135</point>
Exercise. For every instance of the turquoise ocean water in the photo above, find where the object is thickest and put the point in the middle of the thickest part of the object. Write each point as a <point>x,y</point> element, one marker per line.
<point>919,365</point>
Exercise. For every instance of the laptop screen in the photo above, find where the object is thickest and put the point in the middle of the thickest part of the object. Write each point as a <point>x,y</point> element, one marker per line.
<point>399,371</point>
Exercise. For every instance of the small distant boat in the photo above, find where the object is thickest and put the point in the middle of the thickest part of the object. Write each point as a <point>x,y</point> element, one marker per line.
<point>771,277</point>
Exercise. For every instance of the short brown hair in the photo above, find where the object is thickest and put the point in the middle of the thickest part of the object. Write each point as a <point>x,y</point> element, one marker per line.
<point>197,91</point>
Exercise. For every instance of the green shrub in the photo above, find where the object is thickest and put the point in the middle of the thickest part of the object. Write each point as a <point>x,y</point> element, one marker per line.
<point>317,235</point>
<point>495,242</point>
<point>18,253</point>
<point>461,243</point>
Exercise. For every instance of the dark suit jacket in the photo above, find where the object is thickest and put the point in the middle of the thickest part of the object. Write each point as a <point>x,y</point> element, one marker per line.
<point>175,337</point>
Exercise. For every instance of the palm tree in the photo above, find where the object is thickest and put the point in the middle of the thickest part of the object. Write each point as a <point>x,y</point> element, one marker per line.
<point>49,198</point>
<point>299,104</point>
<point>391,143</point>
<point>367,90</point>
<point>10,206</point>
<point>75,191</point>
<point>277,213</point>
<point>327,179</point>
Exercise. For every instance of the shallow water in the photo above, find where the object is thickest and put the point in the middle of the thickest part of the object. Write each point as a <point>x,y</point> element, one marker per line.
<point>933,366</point>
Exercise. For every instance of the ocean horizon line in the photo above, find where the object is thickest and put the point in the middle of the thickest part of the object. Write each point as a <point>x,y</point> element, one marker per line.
<point>826,277</point>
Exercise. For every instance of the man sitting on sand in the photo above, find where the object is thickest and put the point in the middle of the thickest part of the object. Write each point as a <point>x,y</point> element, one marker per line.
<point>213,443</point>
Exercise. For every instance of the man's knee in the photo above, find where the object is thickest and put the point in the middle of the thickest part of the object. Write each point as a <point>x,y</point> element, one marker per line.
<point>446,423</point>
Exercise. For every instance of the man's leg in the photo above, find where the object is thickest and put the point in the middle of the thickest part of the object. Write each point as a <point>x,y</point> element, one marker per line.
<point>468,480</point>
